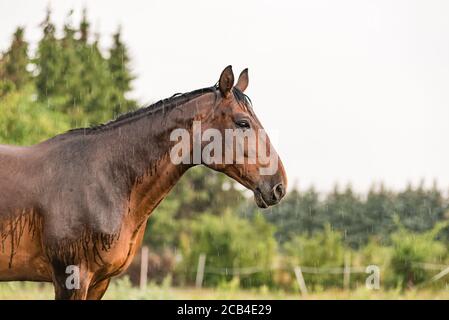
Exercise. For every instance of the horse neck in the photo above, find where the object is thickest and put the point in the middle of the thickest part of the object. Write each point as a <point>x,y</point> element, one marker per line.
<point>141,152</point>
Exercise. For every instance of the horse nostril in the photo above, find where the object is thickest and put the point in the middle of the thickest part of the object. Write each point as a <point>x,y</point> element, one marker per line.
<point>278,191</point>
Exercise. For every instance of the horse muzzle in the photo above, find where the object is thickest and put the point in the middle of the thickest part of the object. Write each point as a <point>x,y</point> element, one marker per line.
<point>269,196</point>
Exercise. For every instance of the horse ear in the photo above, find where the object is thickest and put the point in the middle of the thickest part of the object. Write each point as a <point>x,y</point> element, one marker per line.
<point>226,81</point>
<point>242,82</point>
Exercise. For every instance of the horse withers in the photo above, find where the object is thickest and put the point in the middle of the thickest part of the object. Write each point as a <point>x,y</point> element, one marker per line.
<point>80,200</point>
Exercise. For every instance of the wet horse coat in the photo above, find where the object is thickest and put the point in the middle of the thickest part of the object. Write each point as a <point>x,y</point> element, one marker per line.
<point>83,198</point>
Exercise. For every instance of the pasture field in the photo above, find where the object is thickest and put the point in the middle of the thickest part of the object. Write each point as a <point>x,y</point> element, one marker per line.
<point>121,289</point>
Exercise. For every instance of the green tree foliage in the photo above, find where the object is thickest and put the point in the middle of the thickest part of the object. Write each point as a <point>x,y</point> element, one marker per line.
<point>200,191</point>
<point>324,249</point>
<point>74,77</point>
<point>92,92</point>
<point>345,210</point>
<point>14,63</point>
<point>419,209</point>
<point>84,28</point>
<point>118,62</point>
<point>72,67</point>
<point>229,242</point>
<point>48,62</point>
<point>412,251</point>
<point>357,217</point>
<point>299,213</point>
<point>24,121</point>
<point>378,212</point>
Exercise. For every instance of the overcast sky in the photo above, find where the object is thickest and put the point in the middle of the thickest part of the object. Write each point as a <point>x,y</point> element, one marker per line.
<point>358,90</point>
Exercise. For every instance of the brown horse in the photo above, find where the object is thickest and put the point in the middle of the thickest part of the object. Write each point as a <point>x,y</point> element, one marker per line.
<point>82,199</point>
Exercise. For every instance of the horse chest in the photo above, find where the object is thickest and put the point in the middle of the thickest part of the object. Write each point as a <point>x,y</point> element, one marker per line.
<point>122,254</point>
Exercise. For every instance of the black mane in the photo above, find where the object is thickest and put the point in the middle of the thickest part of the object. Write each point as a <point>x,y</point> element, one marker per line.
<point>241,97</point>
<point>162,105</point>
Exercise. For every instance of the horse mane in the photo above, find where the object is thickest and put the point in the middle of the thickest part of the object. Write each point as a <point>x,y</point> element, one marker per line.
<point>161,105</point>
<point>241,97</point>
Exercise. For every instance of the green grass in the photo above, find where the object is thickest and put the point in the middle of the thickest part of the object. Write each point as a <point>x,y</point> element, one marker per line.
<point>122,289</point>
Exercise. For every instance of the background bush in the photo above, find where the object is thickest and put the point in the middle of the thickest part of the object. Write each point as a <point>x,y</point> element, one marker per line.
<point>229,242</point>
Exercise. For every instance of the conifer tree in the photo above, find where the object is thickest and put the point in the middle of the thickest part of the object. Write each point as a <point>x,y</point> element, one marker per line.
<point>95,87</point>
<point>15,61</point>
<point>121,74</point>
<point>84,27</point>
<point>48,61</point>
<point>71,70</point>
<point>98,87</point>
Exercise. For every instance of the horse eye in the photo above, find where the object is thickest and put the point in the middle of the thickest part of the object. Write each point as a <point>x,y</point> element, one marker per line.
<point>244,124</point>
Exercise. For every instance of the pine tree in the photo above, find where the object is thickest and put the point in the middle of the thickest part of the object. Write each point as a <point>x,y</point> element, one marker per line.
<point>84,27</point>
<point>74,76</point>
<point>96,86</point>
<point>121,74</point>
<point>71,69</point>
<point>15,61</point>
<point>48,61</point>
<point>6,85</point>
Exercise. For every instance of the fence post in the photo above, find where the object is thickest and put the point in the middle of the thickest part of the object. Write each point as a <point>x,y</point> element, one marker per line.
<point>200,270</point>
<point>347,271</point>
<point>143,268</point>
<point>300,280</point>
<point>440,274</point>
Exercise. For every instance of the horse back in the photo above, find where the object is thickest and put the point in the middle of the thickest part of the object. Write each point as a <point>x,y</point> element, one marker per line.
<point>16,182</point>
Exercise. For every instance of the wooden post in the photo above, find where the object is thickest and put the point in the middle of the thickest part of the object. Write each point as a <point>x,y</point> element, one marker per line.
<point>200,270</point>
<point>347,271</point>
<point>440,274</point>
<point>300,280</point>
<point>143,268</point>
